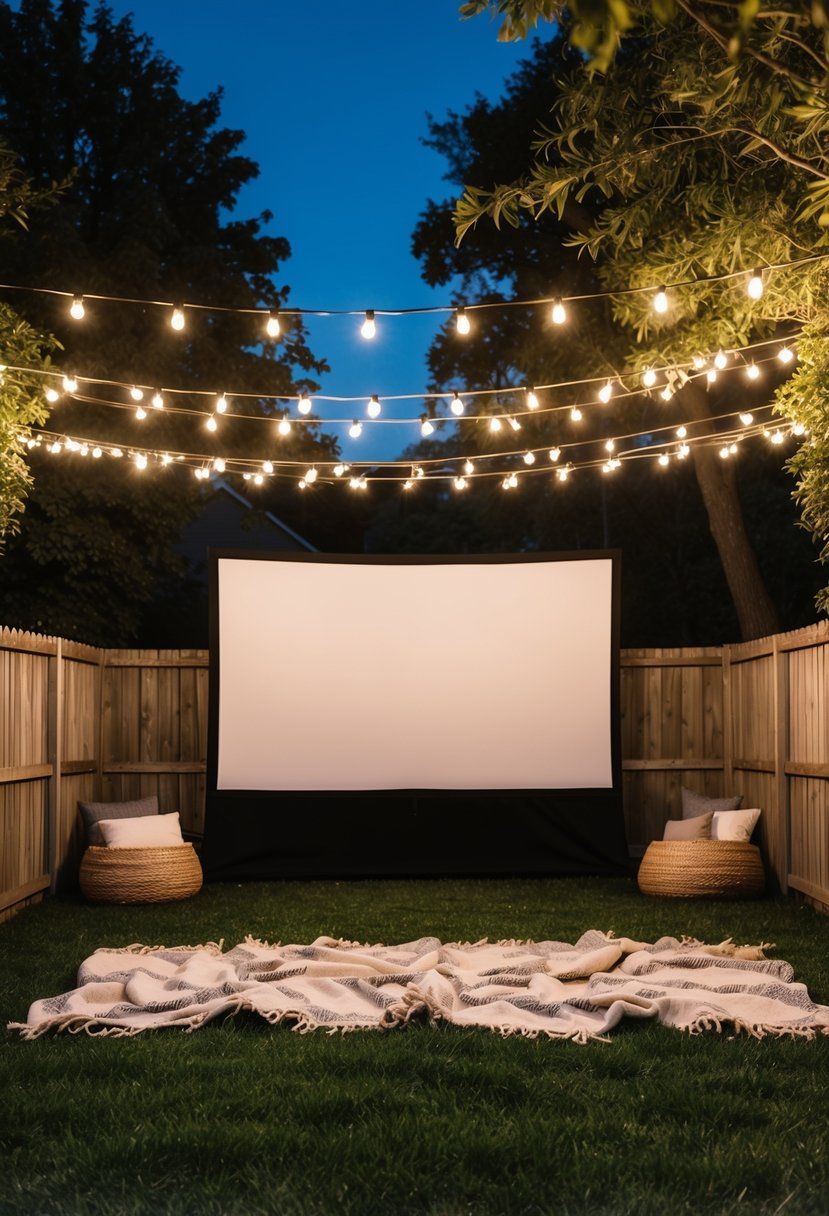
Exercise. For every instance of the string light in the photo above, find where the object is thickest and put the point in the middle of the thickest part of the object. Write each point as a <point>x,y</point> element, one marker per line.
<point>272,326</point>
<point>219,464</point>
<point>426,428</point>
<point>459,483</point>
<point>558,314</point>
<point>97,453</point>
<point>221,404</point>
<point>660,301</point>
<point>529,458</point>
<point>141,413</point>
<point>514,423</point>
<point>340,469</point>
<point>284,427</point>
<point>52,395</point>
<point>355,430</point>
<point>456,405</point>
<point>462,322</point>
<point>777,437</point>
<point>605,393</point>
<point>667,393</point>
<point>177,318</point>
<point>575,414</point>
<point>746,419</point>
<point>711,375</point>
<point>495,423</point>
<point>785,354</point>
<point>681,432</point>
<point>720,360</point>
<point>649,377</point>
<point>532,400</point>
<point>754,287</point>
<point>140,460</point>
<point>562,474</point>
<point>212,424</point>
<point>157,401</point>
<point>554,454</point>
<point>304,404</point>
<point>311,476</point>
<point>753,371</point>
<point>373,408</point>
<point>369,327</point>
<point>468,468</point>
<point>70,384</point>
<point>136,393</point>
<point>77,311</point>
<point>610,446</point>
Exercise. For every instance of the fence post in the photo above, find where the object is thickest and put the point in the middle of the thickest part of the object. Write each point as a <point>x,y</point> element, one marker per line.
<point>727,722</point>
<point>55,759</point>
<point>781,755</point>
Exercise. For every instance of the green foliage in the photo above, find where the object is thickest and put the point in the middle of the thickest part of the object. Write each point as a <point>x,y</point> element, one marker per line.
<point>242,1117</point>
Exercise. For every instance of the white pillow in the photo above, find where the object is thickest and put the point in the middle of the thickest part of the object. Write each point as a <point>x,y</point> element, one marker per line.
<point>734,825</point>
<point>147,831</point>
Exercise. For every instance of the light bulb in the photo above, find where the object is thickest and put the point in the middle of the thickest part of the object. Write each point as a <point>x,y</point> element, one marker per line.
<point>754,287</point>
<point>426,428</point>
<point>711,375</point>
<point>733,449</point>
<point>258,479</point>
<point>311,476</point>
<point>373,408</point>
<point>212,424</point>
<point>165,459</point>
<point>529,458</point>
<point>136,393</point>
<point>462,321</point>
<point>515,424</point>
<point>720,360</point>
<point>55,447</point>
<point>177,317</point>
<point>267,467</point>
<point>355,430</point>
<point>141,413</point>
<point>562,474</point>
<point>798,429</point>
<point>667,393</point>
<point>468,468</point>
<point>681,432</point>
<point>140,460</point>
<point>605,393</point>
<point>777,437</point>
<point>495,423</point>
<point>554,454</point>
<point>219,464</point>
<point>610,445</point>
<point>304,403</point>
<point>753,371</point>
<point>575,414</point>
<point>532,400</point>
<point>97,453</point>
<point>460,483</point>
<point>221,403</point>
<point>699,362</point>
<point>785,355</point>
<point>77,310</point>
<point>116,452</point>
<point>664,459</point>
<point>52,395</point>
<point>649,377</point>
<point>157,400</point>
<point>660,300</point>
<point>746,419</point>
<point>559,313</point>
<point>456,405</point>
<point>418,471</point>
<point>682,451</point>
<point>272,326</point>
<point>724,452</point>
<point>339,469</point>
<point>408,484</point>
<point>284,427</point>
<point>70,384</point>
<point>302,484</point>
<point>368,329</point>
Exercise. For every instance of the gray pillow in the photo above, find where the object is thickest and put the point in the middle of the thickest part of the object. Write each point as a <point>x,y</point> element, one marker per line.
<point>697,804</point>
<point>698,828</point>
<point>93,811</point>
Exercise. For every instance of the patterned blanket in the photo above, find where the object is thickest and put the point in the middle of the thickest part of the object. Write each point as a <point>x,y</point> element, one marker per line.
<point>556,989</point>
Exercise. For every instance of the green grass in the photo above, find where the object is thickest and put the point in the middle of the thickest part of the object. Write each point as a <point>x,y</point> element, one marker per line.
<point>240,1117</point>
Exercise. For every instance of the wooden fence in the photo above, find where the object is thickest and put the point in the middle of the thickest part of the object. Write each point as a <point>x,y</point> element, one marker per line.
<point>82,723</point>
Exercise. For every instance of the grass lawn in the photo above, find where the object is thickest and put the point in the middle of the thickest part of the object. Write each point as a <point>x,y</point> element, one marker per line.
<point>240,1117</point>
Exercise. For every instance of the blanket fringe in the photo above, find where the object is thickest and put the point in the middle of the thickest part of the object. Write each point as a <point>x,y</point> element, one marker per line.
<point>728,949</point>
<point>213,948</point>
<point>756,1030</point>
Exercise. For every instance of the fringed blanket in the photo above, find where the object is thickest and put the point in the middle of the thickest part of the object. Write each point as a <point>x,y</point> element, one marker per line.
<point>528,988</point>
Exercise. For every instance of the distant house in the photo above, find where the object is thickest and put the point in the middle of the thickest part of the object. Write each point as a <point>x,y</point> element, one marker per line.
<point>231,521</point>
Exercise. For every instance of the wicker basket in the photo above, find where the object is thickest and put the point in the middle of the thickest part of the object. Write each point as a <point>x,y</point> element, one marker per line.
<point>702,869</point>
<point>140,876</point>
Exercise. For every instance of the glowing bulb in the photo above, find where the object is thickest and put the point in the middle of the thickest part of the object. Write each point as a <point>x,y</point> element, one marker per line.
<point>408,483</point>
<point>136,393</point>
<point>418,471</point>
<point>212,424</point>
<point>649,377</point>
<point>70,384</point>
<point>575,414</point>
<point>165,459</point>
<point>116,452</point>
<point>140,460</point>
<point>605,393</point>
<point>55,447</point>
<point>515,424</point>
<point>258,479</point>
<point>754,287</point>
<point>798,429</point>
<point>219,464</point>
<point>753,371</point>
<point>711,375</point>
<point>52,395</point>
<point>529,458</point>
<point>559,313</point>
<point>311,476</point>
<point>141,413</point>
<point>77,310</point>
<point>532,400</point>
<point>284,427</point>
<point>355,430</point>
<point>373,408</point>
<point>272,326</point>
<point>746,419</point>
<point>495,423</point>
<point>462,321</point>
<point>660,300</point>
<point>456,405</point>
<point>785,355</point>
<point>304,403</point>
<point>177,318</point>
<point>460,483</point>
<point>426,428</point>
<point>267,467</point>
<point>221,403</point>
<point>468,468</point>
<point>733,449</point>
<point>664,459</point>
<point>562,474</point>
<point>667,393</point>
<point>554,453</point>
<point>610,446</point>
<point>302,484</point>
<point>339,469</point>
<point>699,362</point>
<point>777,437</point>
<point>720,360</point>
<point>682,451</point>
<point>97,453</point>
<point>681,432</point>
<point>368,329</point>
<point>157,400</point>
<point>724,452</point>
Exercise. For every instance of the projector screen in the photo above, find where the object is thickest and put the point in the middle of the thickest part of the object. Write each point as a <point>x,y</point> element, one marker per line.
<point>348,673</point>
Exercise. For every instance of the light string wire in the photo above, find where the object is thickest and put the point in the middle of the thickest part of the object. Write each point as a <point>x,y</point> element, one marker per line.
<point>265,311</point>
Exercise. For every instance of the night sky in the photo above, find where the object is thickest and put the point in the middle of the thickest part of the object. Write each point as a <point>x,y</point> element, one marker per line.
<point>333,98</point>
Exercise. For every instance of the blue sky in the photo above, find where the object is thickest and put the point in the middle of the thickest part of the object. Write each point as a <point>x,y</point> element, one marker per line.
<point>333,98</point>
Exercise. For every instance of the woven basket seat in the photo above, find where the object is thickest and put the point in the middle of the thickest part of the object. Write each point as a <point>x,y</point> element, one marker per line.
<point>702,869</point>
<point>140,875</point>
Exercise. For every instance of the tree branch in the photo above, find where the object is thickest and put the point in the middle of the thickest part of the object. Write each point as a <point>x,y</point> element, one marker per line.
<point>723,43</point>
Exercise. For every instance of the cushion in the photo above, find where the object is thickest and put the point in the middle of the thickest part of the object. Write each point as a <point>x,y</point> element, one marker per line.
<point>145,831</point>
<point>93,812</point>
<point>697,804</point>
<point>734,825</point>
<point>698,828</point>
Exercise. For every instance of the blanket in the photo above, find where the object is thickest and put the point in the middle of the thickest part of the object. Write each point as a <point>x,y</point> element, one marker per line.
<point>569,991</point>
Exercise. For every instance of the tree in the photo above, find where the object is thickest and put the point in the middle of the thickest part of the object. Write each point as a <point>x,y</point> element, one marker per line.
<point>706,137</point>
<point>149,215</point>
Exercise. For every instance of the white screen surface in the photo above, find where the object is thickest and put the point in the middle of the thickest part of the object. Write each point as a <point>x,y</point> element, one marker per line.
<point>348,676</point>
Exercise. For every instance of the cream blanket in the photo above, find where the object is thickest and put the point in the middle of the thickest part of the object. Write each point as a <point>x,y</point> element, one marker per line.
<point>529,988</point>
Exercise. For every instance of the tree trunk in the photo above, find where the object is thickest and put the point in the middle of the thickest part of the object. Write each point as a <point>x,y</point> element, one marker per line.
<point>717,481</point>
